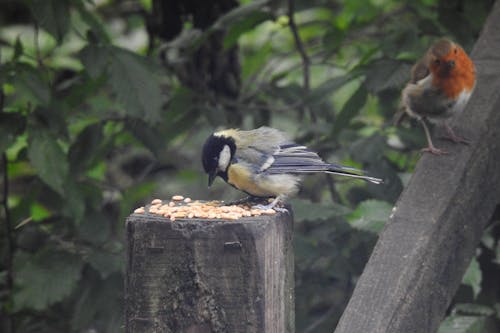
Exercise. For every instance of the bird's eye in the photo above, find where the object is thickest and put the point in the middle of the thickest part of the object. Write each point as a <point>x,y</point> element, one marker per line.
<point>437,62</point>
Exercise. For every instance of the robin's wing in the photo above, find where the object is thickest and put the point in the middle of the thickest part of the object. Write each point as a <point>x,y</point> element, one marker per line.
<point>420,70</point>
<point>426,101</point>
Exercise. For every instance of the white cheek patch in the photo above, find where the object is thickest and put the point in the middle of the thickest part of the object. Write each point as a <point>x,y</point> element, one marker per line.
<point>224,158</point>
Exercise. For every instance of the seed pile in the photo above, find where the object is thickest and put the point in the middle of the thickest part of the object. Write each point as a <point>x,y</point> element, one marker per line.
<point>181,208</point>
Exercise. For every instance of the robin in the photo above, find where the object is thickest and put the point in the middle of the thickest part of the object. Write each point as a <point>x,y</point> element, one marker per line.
<point>440,86</point>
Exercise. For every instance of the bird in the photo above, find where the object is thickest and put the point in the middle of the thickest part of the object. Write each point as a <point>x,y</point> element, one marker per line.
<point>441,84</point>
<point>265,163</point>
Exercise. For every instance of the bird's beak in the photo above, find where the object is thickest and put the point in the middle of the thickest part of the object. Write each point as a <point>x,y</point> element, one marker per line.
<point>211,177</point>
<point>450,64</point>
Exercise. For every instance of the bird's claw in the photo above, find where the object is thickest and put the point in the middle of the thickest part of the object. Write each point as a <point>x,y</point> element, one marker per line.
<point>280,209</point>
<point>451,136</point>
<point>457,139</point>
<point>270,206</point>
<point>434,151</point>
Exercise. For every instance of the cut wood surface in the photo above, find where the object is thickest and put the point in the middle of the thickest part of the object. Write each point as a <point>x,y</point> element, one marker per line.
<point>436,225</point>
<point>209,275</point>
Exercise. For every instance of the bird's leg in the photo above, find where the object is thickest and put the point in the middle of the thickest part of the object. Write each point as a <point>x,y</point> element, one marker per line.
<point>430,146</point>
<point>453,137</point>
<point>272,205</point>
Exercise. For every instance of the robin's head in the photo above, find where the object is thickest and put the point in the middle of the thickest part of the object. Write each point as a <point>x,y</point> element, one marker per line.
<point>447,59</point>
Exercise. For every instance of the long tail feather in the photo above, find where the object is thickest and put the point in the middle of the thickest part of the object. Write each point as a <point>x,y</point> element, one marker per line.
<point>352,172</point>
<point>353,175</point>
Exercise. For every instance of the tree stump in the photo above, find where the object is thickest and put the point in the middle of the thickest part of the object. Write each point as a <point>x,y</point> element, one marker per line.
<point>199,276</point>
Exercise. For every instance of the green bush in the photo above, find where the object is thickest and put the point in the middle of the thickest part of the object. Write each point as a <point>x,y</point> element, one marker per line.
<point>105,105</point>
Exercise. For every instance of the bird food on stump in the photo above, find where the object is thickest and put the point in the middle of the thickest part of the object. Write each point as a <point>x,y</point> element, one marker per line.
<point>203,267</point>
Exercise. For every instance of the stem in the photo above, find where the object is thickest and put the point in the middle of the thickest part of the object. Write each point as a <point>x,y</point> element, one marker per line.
<point>300,46</point>
<point>8,231</point>
<point>306,62</point>
<point>38,53</point>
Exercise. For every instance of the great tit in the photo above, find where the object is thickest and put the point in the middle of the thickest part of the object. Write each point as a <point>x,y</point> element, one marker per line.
<point>264,162</point>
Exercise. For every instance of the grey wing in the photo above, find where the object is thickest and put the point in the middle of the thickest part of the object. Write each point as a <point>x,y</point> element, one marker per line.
<point>294,158</point>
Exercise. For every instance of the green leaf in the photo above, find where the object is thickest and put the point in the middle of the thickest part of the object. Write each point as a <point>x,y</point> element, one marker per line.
<point>473,277</point>
<point>386,74</point>
<point>38,212</point>
<point>135,85</point>
<point>148,135</point>
<point>181,110</point>
<point>95,228</point>
<point>84,151</point>
<point>30,81</point>
<point>105,263</point>
<point>333,38</point>
<point>53,16</point>
<point>370,215</point>
<point>74,202</point>
<point>44,278</point>
<point>94,22</point>
<point>473,309</point>
<point>18,49</point>
<point>351,109</point>
<point>304,210</point>
<point>11,125</point>
<point>95,59</point>
<point>497,254</point>
<point>467,324</point>
<point>53,117</point>
<point>237,13</point>
<point>327,88</point>
<point>245,24</point>
<point>177,119</point>
<point>48,159</point>
<point>99,305</point>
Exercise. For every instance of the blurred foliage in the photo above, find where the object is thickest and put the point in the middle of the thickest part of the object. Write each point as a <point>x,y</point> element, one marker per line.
<point>105,105</point>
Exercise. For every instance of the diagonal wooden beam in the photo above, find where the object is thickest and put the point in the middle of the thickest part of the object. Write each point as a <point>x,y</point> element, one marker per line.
<point>436,225</point>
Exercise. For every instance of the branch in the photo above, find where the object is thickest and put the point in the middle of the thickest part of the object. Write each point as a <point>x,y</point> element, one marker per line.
<point>300,46</point>
<point>8,229</point>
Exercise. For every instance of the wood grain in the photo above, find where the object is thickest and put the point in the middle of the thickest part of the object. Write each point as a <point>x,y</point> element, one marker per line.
<point>209,275</point>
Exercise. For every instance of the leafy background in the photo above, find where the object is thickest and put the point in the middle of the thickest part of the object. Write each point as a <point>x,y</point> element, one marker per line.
<point>105,104</point>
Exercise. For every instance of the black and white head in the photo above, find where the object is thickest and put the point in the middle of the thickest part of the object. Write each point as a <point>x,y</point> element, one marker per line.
<point>217,153</point>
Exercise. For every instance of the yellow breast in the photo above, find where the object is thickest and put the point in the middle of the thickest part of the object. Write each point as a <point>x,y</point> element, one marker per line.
<point>262,184</point>
<point>241,178</point>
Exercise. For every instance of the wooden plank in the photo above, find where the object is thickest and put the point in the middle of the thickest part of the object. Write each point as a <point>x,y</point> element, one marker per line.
<point>429,240</point>
<point>209,275</point>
